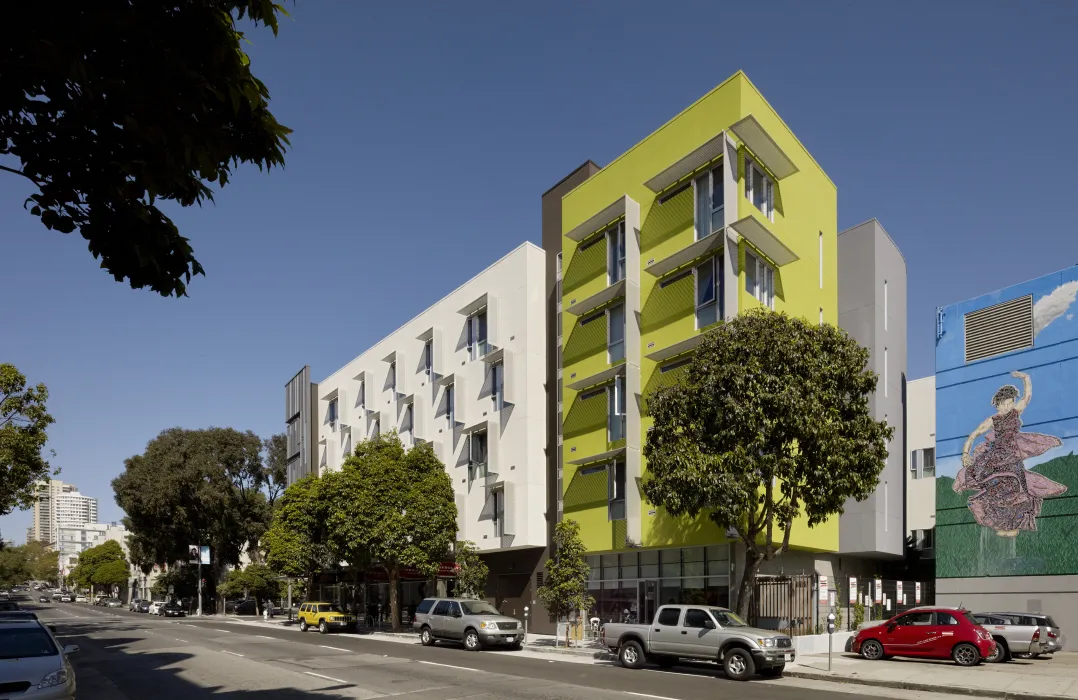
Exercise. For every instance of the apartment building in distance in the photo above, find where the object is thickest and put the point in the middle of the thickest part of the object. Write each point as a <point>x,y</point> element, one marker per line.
<point>59,505</point>
<point>921,465</point>
<point>468,375</point>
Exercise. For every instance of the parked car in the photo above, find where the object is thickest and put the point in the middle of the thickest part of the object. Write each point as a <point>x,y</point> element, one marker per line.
<point>476,623</point>
<point>324,616</point>
<point>171,610</point>
<point>81,599</point>
<point>241,607</point>
<point>929,633</point>
<point>7,604</point>
<point>1014,634</point>
<point>41,662</point>
<point>1051,637</point>
<point>1056,640</point>
<point>43,599</point>
<point>113,603</point>
<point>701,632</point>
<point>133,605</point>
<point>155,606</point>
<point>143,606</point>
<point>100,599</point>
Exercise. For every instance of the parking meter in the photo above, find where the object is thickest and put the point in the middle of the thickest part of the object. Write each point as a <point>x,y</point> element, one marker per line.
<point>830,623</point>
<point>525,641</point>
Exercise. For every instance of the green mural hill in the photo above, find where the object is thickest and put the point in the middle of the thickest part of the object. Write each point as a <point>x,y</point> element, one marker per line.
<point>966,549</point>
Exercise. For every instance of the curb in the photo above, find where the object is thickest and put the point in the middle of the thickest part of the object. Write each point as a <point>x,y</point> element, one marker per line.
<point>597,654</point>
<point>924,687</point>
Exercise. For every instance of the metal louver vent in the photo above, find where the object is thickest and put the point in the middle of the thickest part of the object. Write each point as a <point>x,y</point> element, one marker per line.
<point>998,329</point>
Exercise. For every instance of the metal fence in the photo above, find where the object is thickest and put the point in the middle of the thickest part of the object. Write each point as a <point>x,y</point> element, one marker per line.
<point>784,603</point>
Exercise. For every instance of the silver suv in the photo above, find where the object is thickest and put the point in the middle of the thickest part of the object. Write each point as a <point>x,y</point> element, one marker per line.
<point>476,623</point>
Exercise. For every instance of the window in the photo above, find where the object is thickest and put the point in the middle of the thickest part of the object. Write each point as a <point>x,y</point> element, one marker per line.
<point>428,357</point>
<point>559,328</point>
<point>759,189</point>
<point>760,280</point>
<point>676,364</point>
<point>821,315</point>
<point>709,203</point>
<point>669,617</point>
<point>616,412</point>
<point>497,385</point>
<point>406,425</point>
<point>377,429</point>
<point>331,414</point>
<point>615,253</point>
<point>943,618</point>
<point>928,466</point>
<point>914,618</point>
<point>559,265</point>
<point>615,333</point>
<point>821,265</point>
<point>450,409</point>
<point>477,335</point>
<point>499,512</point>
<point>424,606</point>
<point>709,292</point>
<point>698,619</point>
<point>392,379</point>
<point>442,608</point>
<point>616,491</point>
<point>477,454</point>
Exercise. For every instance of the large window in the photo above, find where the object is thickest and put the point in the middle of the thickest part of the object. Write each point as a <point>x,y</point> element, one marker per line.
<point>709,292</point>
<point>616,491</point>
<point>709,203</point>
<point>923,463</point>
<point>759,189</point>
<point>499,512</point>
<point>760,280</point>
<point>331,413</point>
<point>616,410</point>
<point>428,357</point>
<point>497,385</point>
<point>450,408</point>
<point>615,253</point>
<point>615,333</point>
<point>477,335</point>
<point>477,454</point>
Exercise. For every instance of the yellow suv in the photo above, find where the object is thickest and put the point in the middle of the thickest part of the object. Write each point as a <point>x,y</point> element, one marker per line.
<point>326,617</point>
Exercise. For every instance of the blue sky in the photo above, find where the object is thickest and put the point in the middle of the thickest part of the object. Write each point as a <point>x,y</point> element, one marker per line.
<point>426,132</point>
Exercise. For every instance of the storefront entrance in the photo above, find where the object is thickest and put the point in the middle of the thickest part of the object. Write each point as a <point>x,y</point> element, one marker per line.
<point>647,601</point>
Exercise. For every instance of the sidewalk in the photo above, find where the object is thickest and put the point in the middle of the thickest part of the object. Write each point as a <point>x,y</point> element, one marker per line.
<point>1029,679</point>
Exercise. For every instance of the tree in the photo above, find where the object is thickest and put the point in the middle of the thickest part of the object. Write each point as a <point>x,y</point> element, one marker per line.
<point>43,562</point>
<point>770,422</point>
<point>472,571</point>
<point>392,508</point>
<point>23,425</point>
<point>297,543</point>
<point>111,575</point>
<point>256,581</point>
<point>275,467</point>
<point>100,558</point>
<point>565,590</point>
<point>110,107</point>
<point>14,567</point>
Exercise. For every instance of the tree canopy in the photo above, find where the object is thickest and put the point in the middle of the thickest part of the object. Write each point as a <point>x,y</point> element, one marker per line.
<point>472,571</point>
<point>297,543</point>
<point>275,467</point>
<point>565,589</point>
<point>770,422</point>
<point>33,561</point>
<point>23,424</point>
<point>110,107</point>
<point>102,561</point>
<point>392,507</point>
<point>255,581</point>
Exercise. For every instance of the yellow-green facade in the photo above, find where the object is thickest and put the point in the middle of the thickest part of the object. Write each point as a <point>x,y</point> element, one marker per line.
<point>640,189</point>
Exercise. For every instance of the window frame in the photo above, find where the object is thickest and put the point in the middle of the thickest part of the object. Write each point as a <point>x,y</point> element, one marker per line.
<point>703,187</point>
<point>497,385</point>
<point>478,330</point>
<point>752,169</point>
<point>609,325</point>
<point>450,409</point>
<point>428,357</point>
<point>718,295</point>
<point>616,408</point>
<point>498,518</point>
<point>761,271</point>
<point>707,618</point>
<point>615,489</point>
<point>615,253</point>
<point>675,623</point>
<point>475,466</point>
<point>332,412</point>
<point>393,376</point>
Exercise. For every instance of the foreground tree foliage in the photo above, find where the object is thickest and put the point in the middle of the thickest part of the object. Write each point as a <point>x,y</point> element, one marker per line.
<point>108,107</point>
<point>297,544</point>
<point>770,423</point>
<point>472,571</point>
<point>23,425</point>
<point>393,508</point>
<point>33,561</point>
<point>103,565</point>
<point>255,581</point>
<point>565,590</point>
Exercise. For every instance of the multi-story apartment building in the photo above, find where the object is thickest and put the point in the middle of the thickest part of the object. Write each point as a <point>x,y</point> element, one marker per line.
<point>872,309</point>
<point>720,210</point>
<point>467,375</point>
<point>59,505</point>
<point>921,464</point>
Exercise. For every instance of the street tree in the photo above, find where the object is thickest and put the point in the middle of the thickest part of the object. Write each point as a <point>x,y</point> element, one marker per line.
<point>108,108</point>
<point>769,424</point>
<point>565,589</point>
<point>275,467</point>
<point>14,566</point>
<point>297,543</point>
<point>43,562</point>
<point>472,571</point>
<point>23,425</point>
<point>255,581</point>
<point>393,508</point>
<point>111,575</point>
<point>96,559</point>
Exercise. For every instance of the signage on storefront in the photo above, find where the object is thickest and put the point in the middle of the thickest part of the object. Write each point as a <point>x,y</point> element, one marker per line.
<point>853,590</point>
<point>898,592</point>
<point>823,589</point>
<point>878,588</point>
<point>917,593</point>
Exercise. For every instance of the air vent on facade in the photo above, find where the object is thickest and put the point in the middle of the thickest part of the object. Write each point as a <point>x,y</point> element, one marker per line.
<point>998,329</point>
<point>538,579</point>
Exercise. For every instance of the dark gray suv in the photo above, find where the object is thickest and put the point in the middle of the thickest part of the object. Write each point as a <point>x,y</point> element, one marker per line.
<point>475,623</point>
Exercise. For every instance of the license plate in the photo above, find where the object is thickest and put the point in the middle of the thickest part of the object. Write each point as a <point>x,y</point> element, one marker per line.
<point>511,638</point>
<point>789,657</point>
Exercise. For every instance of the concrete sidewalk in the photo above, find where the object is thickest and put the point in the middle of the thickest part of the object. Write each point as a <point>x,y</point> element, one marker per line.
<point>1053,676</point>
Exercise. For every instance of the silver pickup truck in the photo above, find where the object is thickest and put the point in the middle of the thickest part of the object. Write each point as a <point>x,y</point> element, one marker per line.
<point>701,633</point>
<point>1015,633</point>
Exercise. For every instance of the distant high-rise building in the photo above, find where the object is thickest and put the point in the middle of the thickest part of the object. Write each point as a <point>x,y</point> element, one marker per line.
<point>59,505</point>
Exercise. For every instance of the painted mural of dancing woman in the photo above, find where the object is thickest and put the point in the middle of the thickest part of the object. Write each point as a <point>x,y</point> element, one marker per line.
<point>1008,497</point>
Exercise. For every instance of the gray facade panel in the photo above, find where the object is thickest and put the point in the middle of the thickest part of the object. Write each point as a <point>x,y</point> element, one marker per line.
<point>298,425</point>
<point>1054,595</point>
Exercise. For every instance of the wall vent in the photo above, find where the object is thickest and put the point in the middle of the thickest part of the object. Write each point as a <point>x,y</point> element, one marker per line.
<point>998,329</point>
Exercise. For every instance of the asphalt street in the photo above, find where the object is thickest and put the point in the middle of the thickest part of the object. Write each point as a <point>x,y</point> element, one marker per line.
<point>127,656</point>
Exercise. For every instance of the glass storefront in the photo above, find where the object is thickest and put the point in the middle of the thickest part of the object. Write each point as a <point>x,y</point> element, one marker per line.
<point>630,586</point>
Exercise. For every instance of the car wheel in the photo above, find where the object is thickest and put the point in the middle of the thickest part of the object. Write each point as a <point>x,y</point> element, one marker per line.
<point>773,672</point>
<point>665,661</point>
<point>966,654</point>
<point>471,640</point>
<point>302,625</point>
<point>426,638</point>
<point>323,627</point>
<point>631,654</point>
<point>738,665</point>
<point>872,650</point>
<point>999,653</point>
<point>516,647</point>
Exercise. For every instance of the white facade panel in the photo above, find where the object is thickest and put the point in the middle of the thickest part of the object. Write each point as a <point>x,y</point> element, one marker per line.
<point>920,435</point>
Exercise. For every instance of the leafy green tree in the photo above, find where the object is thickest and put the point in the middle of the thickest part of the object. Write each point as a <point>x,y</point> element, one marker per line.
<point>275,467</point>
<point>256,581</point>
<point>23,425</point>
<point>182,578</point>
<point>111,575</point>
<point>14,566</point>
<point>111,107</point>
<point>297,543</point>
<point>565,589</point>
<point>43,562</point>
<point>392,508</point>
<point>94,559</point>
<point>472,571</point>
<point>770,422</point>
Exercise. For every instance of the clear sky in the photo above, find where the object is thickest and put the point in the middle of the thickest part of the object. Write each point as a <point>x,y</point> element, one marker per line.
<point>425,133</point>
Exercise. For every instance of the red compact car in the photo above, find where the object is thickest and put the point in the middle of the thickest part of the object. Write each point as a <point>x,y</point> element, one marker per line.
<point>929,633</point>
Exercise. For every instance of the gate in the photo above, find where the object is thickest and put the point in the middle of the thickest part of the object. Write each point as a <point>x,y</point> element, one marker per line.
<point>784,603</point>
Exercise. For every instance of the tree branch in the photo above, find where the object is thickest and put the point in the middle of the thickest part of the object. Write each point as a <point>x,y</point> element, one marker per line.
<point>19,172</point>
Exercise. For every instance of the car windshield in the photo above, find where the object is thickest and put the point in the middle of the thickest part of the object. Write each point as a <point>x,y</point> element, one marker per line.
<point>1048,621</point>
<point>727,618</point>
<point>25,642</point>
<point>336,608</point>
<point>479,607</point>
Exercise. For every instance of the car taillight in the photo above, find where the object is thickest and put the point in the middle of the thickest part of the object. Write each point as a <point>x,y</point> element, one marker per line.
<point>1051,634</point>
<point>984,635</point>
<point>1036,635</point>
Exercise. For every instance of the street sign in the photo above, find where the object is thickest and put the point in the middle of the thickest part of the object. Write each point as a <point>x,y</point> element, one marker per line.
<point>823,589</point>
<point>917,593</point>
<point>853,591</point>
<point>205,554</point>
<point>193,554</point>
<point>898,591</point>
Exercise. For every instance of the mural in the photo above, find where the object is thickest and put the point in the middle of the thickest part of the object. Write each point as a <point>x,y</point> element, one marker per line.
<point>1007,461</point>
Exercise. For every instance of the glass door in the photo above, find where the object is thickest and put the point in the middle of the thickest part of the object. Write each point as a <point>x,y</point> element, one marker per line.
<point>647,598</point>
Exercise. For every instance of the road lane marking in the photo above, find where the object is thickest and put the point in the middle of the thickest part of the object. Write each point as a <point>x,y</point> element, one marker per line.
<point>180,640</point>
<point>262,636</point>
<point>226,651</point>
<point>328,678</point>
<point>347,651</point>
<point>645,695</point>
<point>461,668</point>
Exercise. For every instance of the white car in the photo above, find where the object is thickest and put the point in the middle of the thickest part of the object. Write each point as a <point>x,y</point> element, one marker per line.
<point>81,599</point>
<point>156,606</point>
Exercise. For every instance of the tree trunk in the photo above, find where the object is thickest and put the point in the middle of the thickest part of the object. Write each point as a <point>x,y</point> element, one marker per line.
<point>748,579</point>
<point>394,601</point>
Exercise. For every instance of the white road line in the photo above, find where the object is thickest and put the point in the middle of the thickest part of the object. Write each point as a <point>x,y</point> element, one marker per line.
<point>645,695</point>
<point>328,678</point>
<point>335,648</point>
<point>226,651</point>
<point>180,640</point>
<point>262,636</point>
<point>462,668</point>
